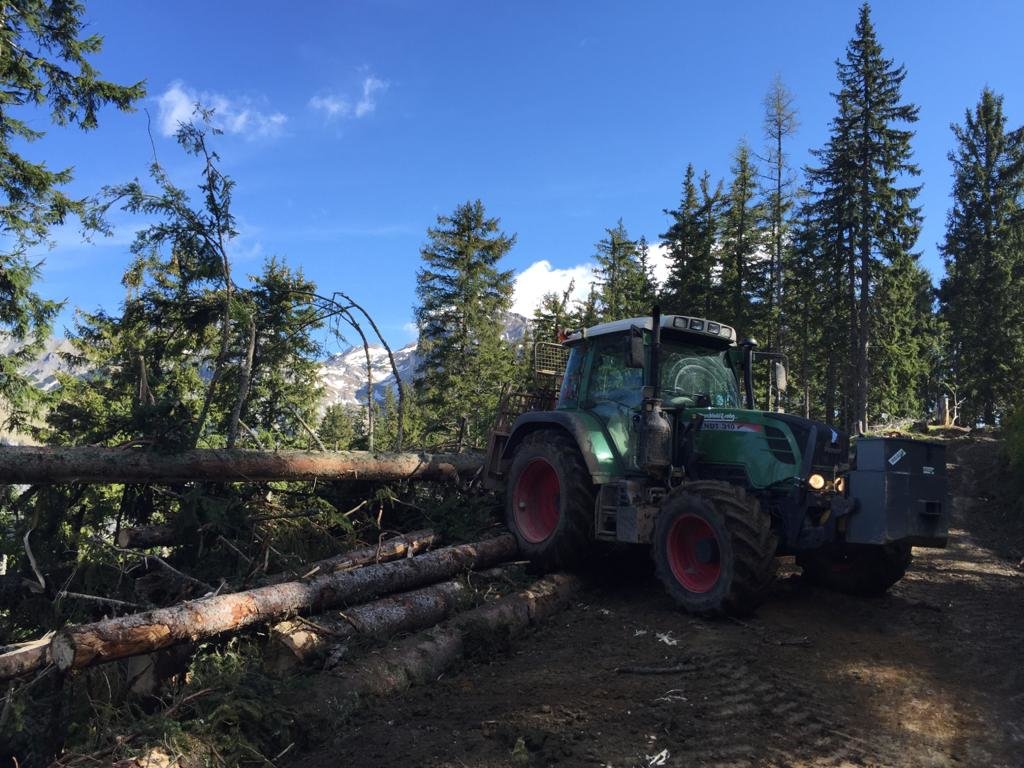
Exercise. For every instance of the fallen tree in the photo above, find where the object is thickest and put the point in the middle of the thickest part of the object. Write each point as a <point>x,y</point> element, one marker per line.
<point>88,464</point>
<point>406,545</point>
<point>422,658</point>
<point>305,640</point>
<point>23,658</point>
<point>76,647</point>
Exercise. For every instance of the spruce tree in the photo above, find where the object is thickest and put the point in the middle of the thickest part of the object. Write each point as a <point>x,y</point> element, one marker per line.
<point>744,279</point>
<point>984,256</point>
<point>690,241</point>
<point>463,298</point>
<point>625,282</point>
<point>869,218</point>
<point>44,61</point>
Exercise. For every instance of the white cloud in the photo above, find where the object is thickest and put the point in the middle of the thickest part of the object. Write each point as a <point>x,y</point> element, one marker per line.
<point>335,105</point>
<point>657,255</point>
<point>332,106</point>
<point>232,115</point>
<point>367,104</point>
<point>541,277</point>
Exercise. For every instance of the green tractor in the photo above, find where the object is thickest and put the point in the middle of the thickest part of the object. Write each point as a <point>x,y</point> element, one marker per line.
<point>649,435</point>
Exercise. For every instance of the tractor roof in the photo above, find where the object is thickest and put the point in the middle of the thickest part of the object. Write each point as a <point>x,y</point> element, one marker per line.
<point>694,326</point>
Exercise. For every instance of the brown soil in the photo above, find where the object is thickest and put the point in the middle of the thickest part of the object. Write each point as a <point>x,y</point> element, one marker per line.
<point>930,675</point>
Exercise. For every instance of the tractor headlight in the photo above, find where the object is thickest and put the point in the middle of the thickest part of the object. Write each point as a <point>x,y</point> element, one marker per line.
<point>840,484</point>
<point>817,482</point>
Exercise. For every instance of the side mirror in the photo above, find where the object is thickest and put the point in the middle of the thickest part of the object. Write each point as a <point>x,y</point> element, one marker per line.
<point>780,377</point>
<point>635,347</point>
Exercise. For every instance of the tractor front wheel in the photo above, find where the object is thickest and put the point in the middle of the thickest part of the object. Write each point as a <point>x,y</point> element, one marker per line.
<point>550,500</point>
<point>864,570</point>
<point>714,549</point>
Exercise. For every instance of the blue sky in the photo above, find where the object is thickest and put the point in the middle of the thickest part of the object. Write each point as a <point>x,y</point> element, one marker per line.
<point>351,125</point>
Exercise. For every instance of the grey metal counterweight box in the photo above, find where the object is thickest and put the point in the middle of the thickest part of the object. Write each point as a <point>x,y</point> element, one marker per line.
<point>901,491</point>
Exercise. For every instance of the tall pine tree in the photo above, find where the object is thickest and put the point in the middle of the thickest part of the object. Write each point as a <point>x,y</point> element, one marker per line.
<point>744,267</point>
<point>984,256</point>
<point>464,296</point>
<point>690,241</point>
<point>778,182</point>
<point>625,283</point>
<point>868,218</point>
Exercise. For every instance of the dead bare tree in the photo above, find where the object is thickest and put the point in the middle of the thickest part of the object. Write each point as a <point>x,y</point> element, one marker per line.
<point>342,307</point>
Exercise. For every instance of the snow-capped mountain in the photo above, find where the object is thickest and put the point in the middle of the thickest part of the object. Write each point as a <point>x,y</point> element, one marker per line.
<point>42,371</point>
<point>344,375</point>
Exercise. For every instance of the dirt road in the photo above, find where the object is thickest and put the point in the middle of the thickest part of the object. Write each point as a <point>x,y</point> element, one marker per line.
<point>930,675</point>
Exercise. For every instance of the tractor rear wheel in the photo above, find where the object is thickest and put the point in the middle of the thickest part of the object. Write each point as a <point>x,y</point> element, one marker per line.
<point>865,570</point>
<point>549,503</point>
<point>714,549</point>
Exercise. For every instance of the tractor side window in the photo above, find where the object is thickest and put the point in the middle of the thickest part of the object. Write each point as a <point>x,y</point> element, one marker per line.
<point>570,390</point>
<point>610,380</point>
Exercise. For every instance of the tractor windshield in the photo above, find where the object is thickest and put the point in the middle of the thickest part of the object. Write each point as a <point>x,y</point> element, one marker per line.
<point>697,376</point>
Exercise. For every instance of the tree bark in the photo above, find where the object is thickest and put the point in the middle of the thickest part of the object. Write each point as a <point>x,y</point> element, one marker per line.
<point>81,646</point>
<point>87,464</point>
<point>21,659</point>
<point>424,657</point>
<point>305,641</point>
<point>406,545</point>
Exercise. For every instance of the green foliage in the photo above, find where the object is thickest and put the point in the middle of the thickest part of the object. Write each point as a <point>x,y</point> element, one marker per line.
<point>45,64</point>
<point>984,256</point>
<point>690,287</point>
<point>865,219</point>
<point>744,279</point>
<point>463,298</point>
<point>626,286</point>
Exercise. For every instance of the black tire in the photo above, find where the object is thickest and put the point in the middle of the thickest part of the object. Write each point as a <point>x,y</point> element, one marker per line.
<point>863,570</point>
<point>714,549</point>
<point>549,500</point>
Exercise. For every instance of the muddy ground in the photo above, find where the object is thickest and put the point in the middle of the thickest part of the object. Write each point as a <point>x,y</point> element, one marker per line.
<point>930,675</point>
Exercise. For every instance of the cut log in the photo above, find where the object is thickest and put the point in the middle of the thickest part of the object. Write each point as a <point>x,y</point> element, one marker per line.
<point>424,657</point>
<point>406,545</point>
<point>24,658</point>
<point>306,641</point>
<point>88,464</point>
<point>81,646</point>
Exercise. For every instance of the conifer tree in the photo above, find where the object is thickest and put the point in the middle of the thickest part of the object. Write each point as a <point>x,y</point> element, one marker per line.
<point>463,298</point>
<point>744,280</point>
<point>869,219</point>
<point>690,241</point>
<point>984,256</point>
<point>780,123</point>
<point>44,60</point>
<point>625,282</point>
<point>552,315</point>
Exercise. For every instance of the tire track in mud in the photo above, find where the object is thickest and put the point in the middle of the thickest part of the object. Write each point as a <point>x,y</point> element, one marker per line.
<point>740,714</point>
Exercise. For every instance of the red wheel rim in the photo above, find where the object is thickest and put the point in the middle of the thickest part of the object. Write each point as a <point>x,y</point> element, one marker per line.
<point>535,501</point>
<point>694,554</point>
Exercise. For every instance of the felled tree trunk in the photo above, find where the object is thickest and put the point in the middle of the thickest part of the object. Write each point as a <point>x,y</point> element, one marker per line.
<point>88,464</point>
<point>81,646</point>
<point>21,659</point>
<point>307,641</point>
<point>406,545</point>
<point>424,657</point>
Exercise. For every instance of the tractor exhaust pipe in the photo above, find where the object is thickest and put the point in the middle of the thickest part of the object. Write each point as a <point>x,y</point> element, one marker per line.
<point>654,452</point>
